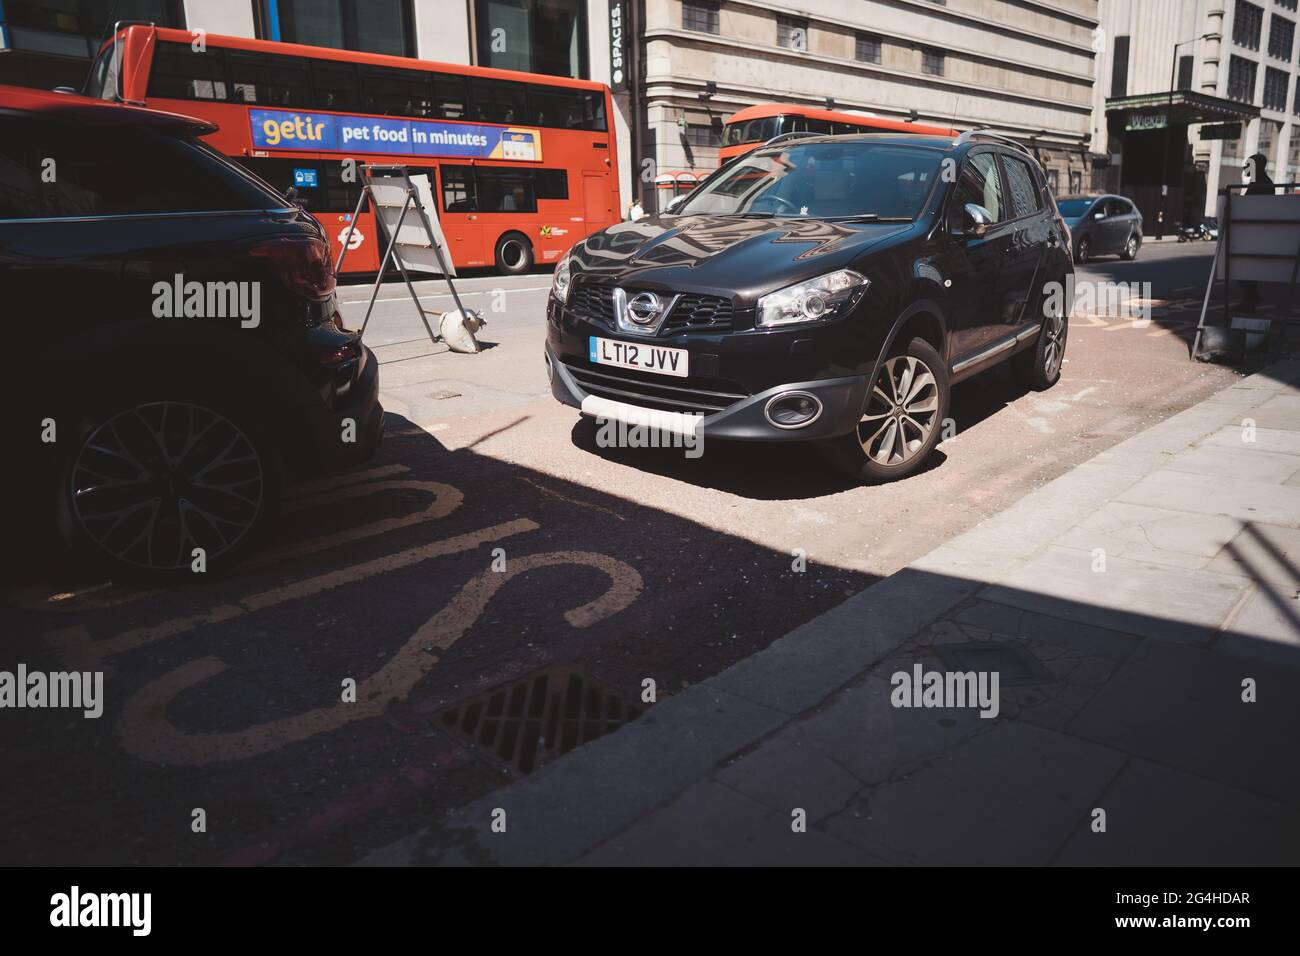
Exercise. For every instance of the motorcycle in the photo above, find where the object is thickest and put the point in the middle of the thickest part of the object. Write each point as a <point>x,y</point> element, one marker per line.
<point>1192,233</point>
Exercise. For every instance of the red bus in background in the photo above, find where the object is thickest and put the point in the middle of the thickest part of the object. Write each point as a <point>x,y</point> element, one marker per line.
<point>755,125</point>
<point>522,165</point>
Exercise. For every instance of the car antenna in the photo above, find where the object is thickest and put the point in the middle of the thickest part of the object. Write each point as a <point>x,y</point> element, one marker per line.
<point>112,12</point>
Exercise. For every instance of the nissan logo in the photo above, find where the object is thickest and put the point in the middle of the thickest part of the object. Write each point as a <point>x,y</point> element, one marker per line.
<point>643,308</point>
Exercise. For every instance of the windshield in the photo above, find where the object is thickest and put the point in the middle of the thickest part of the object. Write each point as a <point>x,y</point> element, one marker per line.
<point>1073,208</point>
<point>821,181</point>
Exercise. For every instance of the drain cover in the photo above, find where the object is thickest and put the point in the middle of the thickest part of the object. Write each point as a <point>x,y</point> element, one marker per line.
<point>537,718</point>
<point>1015,664</point>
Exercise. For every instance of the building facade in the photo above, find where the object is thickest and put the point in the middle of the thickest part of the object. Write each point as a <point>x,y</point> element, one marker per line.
<point>1187,90</point>
<point>1024,67</point>
<point>677,67</point>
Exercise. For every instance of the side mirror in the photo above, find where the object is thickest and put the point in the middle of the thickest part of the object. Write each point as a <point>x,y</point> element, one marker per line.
<point>291,194</point>
<point>975,220</point>
<point>674,203</point>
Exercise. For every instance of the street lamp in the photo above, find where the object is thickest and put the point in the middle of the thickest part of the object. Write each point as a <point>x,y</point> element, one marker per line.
<point>1169,121</point>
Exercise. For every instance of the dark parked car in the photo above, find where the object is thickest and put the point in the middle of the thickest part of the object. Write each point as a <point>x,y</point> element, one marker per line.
<point>1102,225</point>
<point>828,288</point>
<point>177,335</point>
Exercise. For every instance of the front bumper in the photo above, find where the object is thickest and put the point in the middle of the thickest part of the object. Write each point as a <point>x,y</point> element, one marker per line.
<point>842,400</point>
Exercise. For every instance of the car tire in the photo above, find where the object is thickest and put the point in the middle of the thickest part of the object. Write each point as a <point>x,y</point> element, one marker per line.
<point>1083,250</point>
<point>912,413</point>
<point>1131,246</point>
<point>1039,368</point>
<point>183,473</point>
<point>514,254</point>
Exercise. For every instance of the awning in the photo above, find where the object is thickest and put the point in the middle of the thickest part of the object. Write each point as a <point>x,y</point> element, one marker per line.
<point>1153,110</point>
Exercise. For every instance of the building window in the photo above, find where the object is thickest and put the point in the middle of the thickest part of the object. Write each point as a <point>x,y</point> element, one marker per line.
<point>1281,34</point>
<point>1119,68</point>
<point>1268,136</point>
<point>1287,4</point>
<point>703,134</point>
<point>76,27</point>
<point>792,33</point>
<point>931,61</point>
<point>375,26</point>
<point>1247,24</point>
<point>1295,106</point>
<point>1076,183</point>
<point>700,15</point>
<point>1241,79</point>
<point>1275,89</point>
<point>533,36</point>
<point>866,47</point>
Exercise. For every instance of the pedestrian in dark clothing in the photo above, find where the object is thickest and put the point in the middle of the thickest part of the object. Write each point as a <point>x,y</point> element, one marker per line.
<point>1256,168</point>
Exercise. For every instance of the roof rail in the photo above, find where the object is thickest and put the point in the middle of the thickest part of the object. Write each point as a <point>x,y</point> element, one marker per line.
<point>798,134</point>
<point>974,134</point>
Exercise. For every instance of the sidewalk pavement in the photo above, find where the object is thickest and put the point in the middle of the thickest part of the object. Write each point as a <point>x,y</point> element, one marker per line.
<point>1121,690</point>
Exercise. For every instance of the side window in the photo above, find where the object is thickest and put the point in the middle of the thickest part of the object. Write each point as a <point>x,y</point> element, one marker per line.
<point>551,183</point>
<point>458,193</point>
<point>334,85</point>
<point>505,190</point>
<point>180,73</point>
<point>139,171</point>
<point>270,80</point>
<point>395,92</point>
<point>978,183</point>
<point>500,101</point>
<point>450,96</point>
<point>21,195</point>
<point>1020,183</point>
<point>1117,207</point>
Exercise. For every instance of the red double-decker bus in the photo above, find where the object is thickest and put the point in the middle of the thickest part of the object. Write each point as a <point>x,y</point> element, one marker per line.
<point>754,125</point>
<point>522,165</point>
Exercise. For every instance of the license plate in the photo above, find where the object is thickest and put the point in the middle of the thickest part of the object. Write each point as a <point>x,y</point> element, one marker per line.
<point>646,358</point>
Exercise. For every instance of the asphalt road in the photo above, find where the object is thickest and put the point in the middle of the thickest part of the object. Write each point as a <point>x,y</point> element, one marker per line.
<point>491,540</point>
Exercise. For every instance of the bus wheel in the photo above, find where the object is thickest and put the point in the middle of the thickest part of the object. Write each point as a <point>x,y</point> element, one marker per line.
<point>514,254</point>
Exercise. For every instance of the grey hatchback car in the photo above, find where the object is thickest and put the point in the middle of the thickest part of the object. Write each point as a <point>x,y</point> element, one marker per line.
<point>1102,225</point>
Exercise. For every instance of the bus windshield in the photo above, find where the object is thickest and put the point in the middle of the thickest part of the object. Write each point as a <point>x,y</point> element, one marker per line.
<point>821,181</point>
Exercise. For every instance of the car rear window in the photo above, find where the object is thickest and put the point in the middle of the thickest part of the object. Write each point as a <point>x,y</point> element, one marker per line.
<point>53,169</point>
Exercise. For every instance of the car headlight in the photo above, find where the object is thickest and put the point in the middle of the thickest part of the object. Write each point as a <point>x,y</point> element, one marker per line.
<point>561,280</point>
<point>813,300</point>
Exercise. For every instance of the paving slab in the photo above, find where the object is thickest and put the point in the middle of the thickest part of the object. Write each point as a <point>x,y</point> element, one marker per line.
<point>1010,796</point>
<point>1160,816</point>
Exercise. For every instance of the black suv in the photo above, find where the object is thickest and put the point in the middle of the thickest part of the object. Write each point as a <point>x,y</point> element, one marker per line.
<point>827,288</point>
<point>173,324</point>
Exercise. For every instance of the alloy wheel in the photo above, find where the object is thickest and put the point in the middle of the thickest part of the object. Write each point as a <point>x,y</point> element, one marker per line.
<point>1054,346</point>
<point>901,411</point>
<point>156,481</point>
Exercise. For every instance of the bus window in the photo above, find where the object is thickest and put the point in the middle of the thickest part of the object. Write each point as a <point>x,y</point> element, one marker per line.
<point>179,73</point>
<point>555,106</point>
<point>334,85</point>
<point>499,101</point>
<point>593,113</point>
<point>505,190</point>
<point>458,189</point>
<point>270,80</point>
<point>450,96</point>
<point>395,92</point>
<point>551,183</point>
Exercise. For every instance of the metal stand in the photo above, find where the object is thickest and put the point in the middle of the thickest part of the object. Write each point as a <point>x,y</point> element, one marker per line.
<point>411,201</point>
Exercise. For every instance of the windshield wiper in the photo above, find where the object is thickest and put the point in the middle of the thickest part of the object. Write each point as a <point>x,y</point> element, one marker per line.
<point>755,215</point>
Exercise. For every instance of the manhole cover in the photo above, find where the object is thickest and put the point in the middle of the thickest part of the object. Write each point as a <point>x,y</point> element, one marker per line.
<point>1015,664</point>
<point>537,718</point>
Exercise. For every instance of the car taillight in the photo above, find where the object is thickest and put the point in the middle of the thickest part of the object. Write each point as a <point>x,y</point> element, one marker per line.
<point>303,265</point>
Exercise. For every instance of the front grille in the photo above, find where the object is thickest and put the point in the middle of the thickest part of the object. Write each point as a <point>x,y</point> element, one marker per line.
<point>692,313</point>
<point>634,388</point>
<point>593,301</point>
